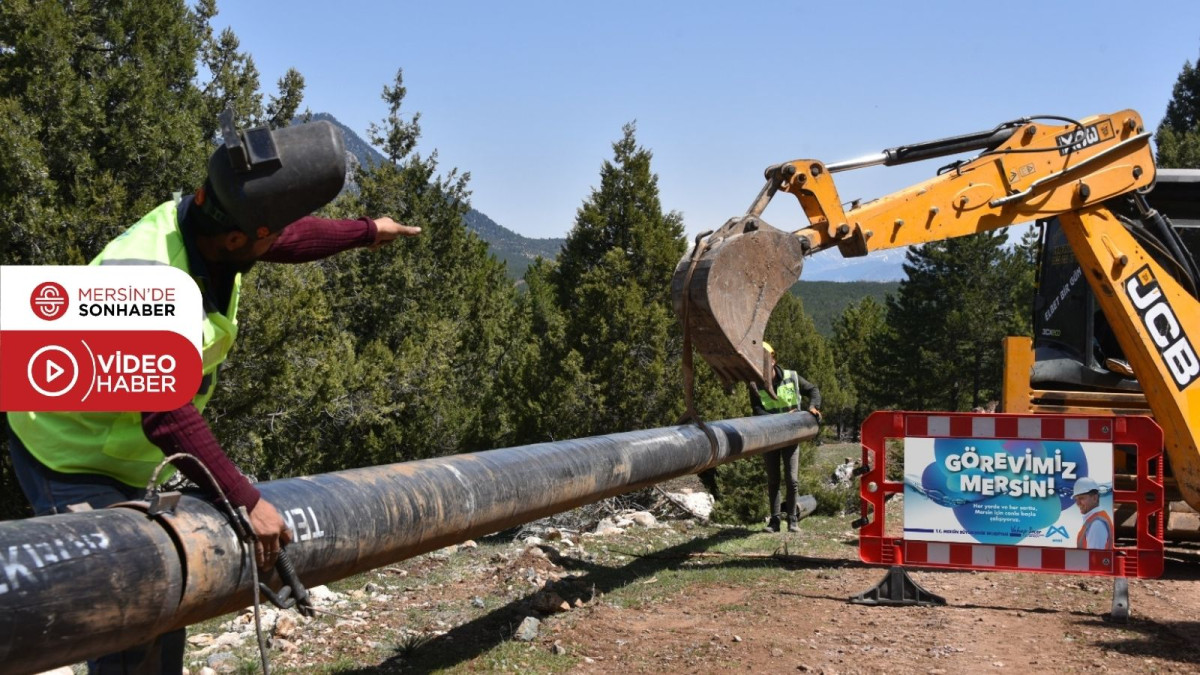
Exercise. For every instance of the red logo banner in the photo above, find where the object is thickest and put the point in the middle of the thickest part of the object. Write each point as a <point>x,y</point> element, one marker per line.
<point>97,371</point>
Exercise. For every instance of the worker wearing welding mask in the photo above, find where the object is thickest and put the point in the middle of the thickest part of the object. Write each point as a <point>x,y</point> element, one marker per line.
<point>254,206</point>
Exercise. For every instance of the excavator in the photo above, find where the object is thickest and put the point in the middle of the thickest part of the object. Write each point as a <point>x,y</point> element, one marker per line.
<point>1086,180</point>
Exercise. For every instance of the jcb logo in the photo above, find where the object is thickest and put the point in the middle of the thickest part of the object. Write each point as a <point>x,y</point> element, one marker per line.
<point>1172,343</point>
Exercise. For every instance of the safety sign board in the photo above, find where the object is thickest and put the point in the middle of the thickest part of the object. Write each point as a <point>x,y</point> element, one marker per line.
<point>1015,492</point>
<point>1009,491</point>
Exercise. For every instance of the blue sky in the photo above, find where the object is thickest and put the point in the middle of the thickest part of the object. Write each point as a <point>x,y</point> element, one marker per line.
<point>530,96</point>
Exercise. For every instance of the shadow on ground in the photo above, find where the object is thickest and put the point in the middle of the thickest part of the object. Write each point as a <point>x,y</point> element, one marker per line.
<point>476,637</point>
<point>1173,640</point>
<point>1182,562</point>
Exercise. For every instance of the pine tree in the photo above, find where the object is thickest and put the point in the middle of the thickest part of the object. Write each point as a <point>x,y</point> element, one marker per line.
<point>1178,135</point>
<point>613,284</point>
<point>108,114</point>
<point>1021,270</point>
<point>550,395</point>
<point>942,349</point>
<point>624,214</point>
<point>856,333</point>
<point>280,399</point>
<point>105,121</point>
<point>429,314</point>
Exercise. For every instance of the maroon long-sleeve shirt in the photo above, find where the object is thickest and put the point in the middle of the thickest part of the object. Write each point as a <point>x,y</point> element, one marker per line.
<point>184,429</point>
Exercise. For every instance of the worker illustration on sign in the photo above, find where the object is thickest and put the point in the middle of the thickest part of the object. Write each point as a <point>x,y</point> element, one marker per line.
<point>789,387</point>
<point>1097,530</point>
<point>254,206</point>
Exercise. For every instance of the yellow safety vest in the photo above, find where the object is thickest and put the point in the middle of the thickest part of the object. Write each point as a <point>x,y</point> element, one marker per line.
<point>787,394</point>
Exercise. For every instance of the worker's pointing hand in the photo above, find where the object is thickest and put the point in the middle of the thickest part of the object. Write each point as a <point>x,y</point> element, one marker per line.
<point>272,533</point>
<point>387,229</point>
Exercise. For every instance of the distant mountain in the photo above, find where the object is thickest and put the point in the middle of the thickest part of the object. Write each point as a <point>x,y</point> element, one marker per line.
<point>878,266</point>
<point>355,145</point>
<point>516,251</point>
<point>824,301</point>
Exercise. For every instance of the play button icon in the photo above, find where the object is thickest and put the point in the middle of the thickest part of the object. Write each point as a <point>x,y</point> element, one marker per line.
<point>52,371</point>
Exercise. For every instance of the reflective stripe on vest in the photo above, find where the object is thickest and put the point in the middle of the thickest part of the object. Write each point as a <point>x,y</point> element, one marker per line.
<point>113,444</point>
<point>1081,538</point>
<point>787,393</point>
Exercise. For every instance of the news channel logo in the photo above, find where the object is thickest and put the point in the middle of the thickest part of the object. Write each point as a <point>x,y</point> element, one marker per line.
<point>49,301</point>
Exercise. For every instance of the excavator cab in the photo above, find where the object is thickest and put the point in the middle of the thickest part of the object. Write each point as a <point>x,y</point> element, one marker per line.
<point>1074,346</point>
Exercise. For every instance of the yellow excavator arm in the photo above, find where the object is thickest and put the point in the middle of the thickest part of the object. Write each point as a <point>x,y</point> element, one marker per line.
<point>725,288</point>
<point>727,285</point>
<point>1156,322</point>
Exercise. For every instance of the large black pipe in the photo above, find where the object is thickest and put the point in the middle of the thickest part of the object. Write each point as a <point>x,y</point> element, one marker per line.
<point>72,584</point>
<point>79,585</point>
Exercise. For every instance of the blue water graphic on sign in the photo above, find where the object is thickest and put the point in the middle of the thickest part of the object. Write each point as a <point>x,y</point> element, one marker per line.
<point>996,491</point>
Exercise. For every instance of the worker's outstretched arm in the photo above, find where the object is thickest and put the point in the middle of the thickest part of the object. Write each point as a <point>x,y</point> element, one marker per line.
<point>313,238</point>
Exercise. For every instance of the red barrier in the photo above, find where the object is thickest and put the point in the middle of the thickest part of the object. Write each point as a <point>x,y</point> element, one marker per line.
<point>1144,560</point>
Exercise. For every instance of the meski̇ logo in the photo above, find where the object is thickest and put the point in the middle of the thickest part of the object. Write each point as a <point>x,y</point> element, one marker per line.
<point>49,301</point>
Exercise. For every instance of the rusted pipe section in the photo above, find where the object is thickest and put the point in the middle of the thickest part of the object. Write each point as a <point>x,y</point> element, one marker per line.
<point>61,605</point>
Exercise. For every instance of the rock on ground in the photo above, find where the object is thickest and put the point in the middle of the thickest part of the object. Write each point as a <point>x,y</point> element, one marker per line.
<point>528,630</point>
<point>644,518</point>
<point>606,527</point>
<point>699,503</point>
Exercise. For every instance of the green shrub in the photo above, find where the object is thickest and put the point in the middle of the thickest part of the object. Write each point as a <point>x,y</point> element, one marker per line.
<point>743,487</point>
<point>743,493</point>
<point>832,500</point>
<point>895,459</point>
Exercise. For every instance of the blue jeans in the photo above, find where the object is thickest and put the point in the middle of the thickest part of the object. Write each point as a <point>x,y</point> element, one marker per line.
<point>51,492</point>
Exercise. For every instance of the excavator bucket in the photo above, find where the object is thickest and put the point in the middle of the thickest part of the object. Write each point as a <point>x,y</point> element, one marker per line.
<point>724,290</point>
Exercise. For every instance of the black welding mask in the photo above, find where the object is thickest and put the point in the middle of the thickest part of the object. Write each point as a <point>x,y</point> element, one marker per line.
<point>261,180</point>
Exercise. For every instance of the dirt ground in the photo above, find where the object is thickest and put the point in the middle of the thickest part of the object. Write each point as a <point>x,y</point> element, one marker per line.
<point>802,622</point>
<point>684,596</point>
